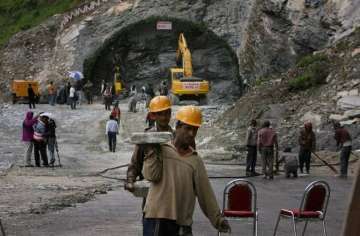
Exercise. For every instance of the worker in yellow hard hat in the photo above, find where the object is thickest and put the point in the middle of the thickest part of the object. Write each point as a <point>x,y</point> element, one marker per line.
<point>178,176</point>
<point>160,108</point>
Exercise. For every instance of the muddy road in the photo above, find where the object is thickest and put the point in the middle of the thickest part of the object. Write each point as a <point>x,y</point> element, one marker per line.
<point>71,201</point>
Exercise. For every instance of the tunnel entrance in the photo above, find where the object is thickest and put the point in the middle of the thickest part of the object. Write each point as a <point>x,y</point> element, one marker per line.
<point>145,56</point>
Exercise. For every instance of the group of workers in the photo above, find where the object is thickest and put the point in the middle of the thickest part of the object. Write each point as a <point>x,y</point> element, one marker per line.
<point>69,93</point>
<point>39,134</point>
<point>177,175</point>
<point>147,93</point>
<point>264,140</point>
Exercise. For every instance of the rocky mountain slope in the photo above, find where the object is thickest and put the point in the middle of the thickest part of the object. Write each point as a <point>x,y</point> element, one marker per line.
<point>231,40</point>
<point>322,88</point>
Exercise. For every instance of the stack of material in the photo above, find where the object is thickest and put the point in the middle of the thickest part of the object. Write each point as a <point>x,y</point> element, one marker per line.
<point>150,138</point>
<point>141,188</point>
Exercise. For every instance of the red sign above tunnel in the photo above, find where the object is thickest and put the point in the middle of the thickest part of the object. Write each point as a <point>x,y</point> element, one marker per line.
<point>164,25</point>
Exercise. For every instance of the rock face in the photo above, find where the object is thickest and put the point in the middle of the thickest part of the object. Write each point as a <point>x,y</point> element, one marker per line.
<point>260,37</point>
<point>322,104</point>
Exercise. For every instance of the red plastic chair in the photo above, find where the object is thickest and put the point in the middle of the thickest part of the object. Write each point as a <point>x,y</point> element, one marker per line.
<point>239,202</point>
<point>312,208</point>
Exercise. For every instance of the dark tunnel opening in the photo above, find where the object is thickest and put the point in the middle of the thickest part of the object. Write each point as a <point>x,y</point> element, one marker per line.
<point>145,56</point>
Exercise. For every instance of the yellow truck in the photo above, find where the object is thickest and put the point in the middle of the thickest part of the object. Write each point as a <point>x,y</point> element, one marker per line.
<point>185,86</point>
<point>19,89</point>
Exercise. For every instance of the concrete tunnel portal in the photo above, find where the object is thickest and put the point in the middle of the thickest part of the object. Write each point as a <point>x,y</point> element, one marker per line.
<point>145,55</point>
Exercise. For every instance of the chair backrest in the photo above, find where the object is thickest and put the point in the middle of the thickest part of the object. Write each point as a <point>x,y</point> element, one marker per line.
<point>239,195</point>
<point>316,197</point>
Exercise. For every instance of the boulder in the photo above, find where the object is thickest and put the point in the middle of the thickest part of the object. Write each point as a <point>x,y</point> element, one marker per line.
<point>352,114</point>
<point>354,92</point>
<point>337,117</point>
<point>348,122</point>
<point>349,102</point>
<point>342,94</point>
<point>315,119</point>
<point>355,52</point>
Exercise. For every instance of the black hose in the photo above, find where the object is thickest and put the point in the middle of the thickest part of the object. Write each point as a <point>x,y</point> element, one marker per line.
<point>112,168</point>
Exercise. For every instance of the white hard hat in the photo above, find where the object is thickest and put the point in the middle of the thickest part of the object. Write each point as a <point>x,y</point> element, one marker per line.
<point>47,114</point>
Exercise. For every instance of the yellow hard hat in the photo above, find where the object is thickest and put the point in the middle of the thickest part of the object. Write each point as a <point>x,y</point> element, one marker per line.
<point>190,115</point>
<point>159,103</point>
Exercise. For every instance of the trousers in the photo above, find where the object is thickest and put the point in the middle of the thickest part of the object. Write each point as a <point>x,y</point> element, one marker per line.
<point>40,149</point>
<point>28,151</point>
<point>251,159</point>
<point>112,141</point>
<point>164,227</point>
<point>344,160</point>
<point>267,156</point>
<point>304,158</point>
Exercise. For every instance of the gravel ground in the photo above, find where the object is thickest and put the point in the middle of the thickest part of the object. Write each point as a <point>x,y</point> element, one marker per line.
<point>66,201</point>
<point>118,212</point>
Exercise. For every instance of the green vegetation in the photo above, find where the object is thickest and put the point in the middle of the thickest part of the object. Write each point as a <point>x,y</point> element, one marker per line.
<point>17,15</point>
<point>315,69</point>
<point>310,59</point>
<point>259,81</point>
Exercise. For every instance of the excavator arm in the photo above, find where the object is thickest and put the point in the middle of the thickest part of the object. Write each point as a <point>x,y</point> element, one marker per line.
<point>184,54</point>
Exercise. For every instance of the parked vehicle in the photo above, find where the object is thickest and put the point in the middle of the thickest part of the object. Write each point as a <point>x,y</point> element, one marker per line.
<point>19,90</point>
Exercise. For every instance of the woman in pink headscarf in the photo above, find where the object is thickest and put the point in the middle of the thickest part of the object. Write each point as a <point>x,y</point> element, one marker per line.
<point>27,136</point>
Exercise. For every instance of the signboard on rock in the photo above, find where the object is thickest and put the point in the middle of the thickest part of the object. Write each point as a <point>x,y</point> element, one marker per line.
<point>164,25</point>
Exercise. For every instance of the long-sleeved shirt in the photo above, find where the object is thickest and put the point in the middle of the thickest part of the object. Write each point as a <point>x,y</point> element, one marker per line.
<point>251,136</point>
<point>136,163</point>
<point>72,92</point>
<point>307,140</point>
<point>342,137</point>
<point>39,131</point>
<point>267,138</point>
<point>176,182</point>
<point>28,127</point>
<point>112,126</point>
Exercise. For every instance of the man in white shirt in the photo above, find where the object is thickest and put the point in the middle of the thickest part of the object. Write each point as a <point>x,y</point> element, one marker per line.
<point>72,96</point>
<point>112,129</point>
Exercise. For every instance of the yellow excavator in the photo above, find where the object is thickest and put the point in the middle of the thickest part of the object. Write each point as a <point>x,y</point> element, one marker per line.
<point>117,82</point>
<point>184,86</point>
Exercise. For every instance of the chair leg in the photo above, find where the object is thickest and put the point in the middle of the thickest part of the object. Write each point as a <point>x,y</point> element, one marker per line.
<point>256,222</point>
<point>324,226</point>
<point>294,222</point>
<point>2,229</point>
<point>277,224</point>
<point>303,233</point>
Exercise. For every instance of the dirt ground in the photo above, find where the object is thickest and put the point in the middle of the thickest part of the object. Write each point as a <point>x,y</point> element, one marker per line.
<point>69,200</point>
